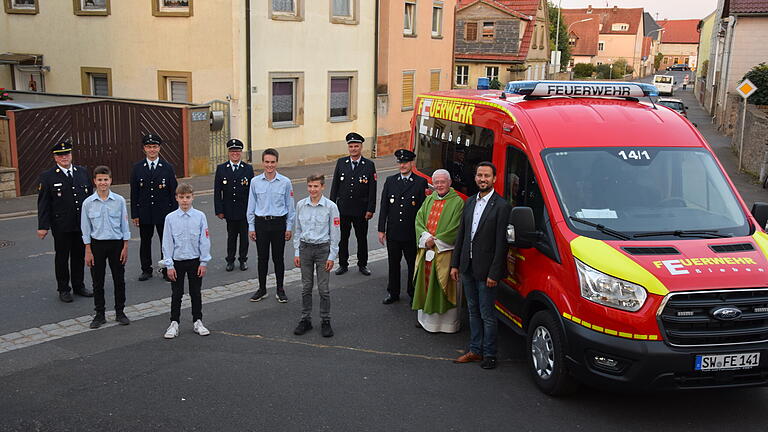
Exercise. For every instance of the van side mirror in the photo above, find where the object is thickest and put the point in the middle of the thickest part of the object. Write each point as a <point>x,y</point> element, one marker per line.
<point>760,212</point>
<point>521,229</point>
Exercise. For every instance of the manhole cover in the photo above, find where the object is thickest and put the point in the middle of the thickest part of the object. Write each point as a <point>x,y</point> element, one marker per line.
<point>6,244</point>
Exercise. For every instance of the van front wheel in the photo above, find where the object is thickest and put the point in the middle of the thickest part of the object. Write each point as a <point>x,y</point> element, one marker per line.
<point>547,355</point>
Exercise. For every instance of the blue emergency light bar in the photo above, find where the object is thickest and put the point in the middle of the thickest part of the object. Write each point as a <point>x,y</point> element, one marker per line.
<point>582,89</point>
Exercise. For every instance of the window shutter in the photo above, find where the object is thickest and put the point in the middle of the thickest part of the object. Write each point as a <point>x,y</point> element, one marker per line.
<point>434,81</point>
<point>407,90</point>
<point>179,91</point>
<point>99,85</point>
<point>470,29</point>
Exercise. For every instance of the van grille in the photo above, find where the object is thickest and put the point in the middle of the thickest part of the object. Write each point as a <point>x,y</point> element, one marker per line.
<point>737,247</point>
<point>663,250</point>
<point>687,319</point>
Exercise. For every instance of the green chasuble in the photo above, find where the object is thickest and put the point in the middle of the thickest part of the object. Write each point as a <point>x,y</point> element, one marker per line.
<point>434,290</point>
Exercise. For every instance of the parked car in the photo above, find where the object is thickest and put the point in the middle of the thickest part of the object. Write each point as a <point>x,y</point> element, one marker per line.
<point>11,105</point>
<point>675,104</point>
<point>679,67</point>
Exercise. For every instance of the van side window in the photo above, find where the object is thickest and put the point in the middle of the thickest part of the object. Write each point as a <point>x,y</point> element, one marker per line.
<point>454,146</point>
<point>521,187</point>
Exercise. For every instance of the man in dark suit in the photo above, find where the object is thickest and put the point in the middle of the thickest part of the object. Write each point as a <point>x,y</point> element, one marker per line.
<point>230,201</point>
<point>153,196</point>
<point>354,192</point>
<point>401,199</point>
<point>61,192</point>
<point>480,257</point>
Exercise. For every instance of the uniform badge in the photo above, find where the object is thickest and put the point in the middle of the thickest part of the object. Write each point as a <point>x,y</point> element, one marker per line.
<point>58,194</point>
<point>206,233</point>
<point>375,176</point>
<point>341,178</point>
<point>336,221</point>
<point>225,181</point>
<point>392,200</point>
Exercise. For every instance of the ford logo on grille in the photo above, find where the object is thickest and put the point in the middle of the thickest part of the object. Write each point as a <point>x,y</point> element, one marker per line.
<point>726,313</point>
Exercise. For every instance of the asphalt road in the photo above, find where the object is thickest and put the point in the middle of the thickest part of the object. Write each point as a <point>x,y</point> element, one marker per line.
<point>379,372</point>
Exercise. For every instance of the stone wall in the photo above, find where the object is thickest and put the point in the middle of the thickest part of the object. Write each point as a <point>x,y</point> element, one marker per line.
<point>755,138</point>
<point>505,41</point>
<point>7,182</point>
<point>387,144</point>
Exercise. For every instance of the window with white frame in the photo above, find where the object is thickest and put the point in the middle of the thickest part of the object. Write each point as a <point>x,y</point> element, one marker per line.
<point>492,72</point>
<point>462,75</point>
<point>437,19</point>
<point>96,81</point>
<point>409,18</point>
<point>175,86</point>
<point>284,6</point>
<point>342,96</point>
<point>286,10</point>
<point>286,94</point>
<point>344,11</point>
<point>619,27</point>
<point>601,46</point>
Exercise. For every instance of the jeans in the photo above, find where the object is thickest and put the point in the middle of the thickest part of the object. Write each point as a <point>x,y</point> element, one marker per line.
<point>313,258</point>
<point>107,251</point>
<point>188,268</point>
<point>482,315</point>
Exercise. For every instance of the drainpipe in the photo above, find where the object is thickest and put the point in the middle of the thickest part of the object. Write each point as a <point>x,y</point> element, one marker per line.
<point>374,146</point>
<point>248,97</point>
<point>727,62</point>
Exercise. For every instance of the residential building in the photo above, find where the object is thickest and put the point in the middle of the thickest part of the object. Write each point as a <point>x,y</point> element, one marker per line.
<point>583,36</point>
<point>621,33</point>
<point>679,42</point>
<point>706,27</point>
<point>503,39</point>
<point>651,43</point>
<point>738,44</point>
<point>415,55</point>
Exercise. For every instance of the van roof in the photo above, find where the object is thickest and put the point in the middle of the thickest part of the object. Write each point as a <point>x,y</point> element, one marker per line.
<point>584,121</point>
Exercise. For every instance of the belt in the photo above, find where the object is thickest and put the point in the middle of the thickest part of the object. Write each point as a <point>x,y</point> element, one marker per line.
<point>270,217</point>
<point>307,244</point>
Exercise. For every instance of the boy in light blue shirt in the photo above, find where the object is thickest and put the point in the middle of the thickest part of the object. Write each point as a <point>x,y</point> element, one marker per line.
<point>186,251</point>
<point>104,223</point>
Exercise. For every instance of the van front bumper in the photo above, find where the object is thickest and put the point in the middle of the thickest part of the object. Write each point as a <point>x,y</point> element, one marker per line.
<point>623,364</point>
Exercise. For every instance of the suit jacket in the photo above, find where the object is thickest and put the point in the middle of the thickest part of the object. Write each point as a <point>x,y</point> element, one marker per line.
<point>354,191</point>
<point>400,201</point>
<point>489,246</point>
<point>153,194</point>
<point>230,190</point>
<point>60,199</point>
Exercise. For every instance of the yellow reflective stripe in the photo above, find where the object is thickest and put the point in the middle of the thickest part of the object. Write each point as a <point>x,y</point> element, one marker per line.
<point>473,102</point>
<point>601,256</point>
<point>599,329</point>
<point>761,239</point>
<point>513,319</point>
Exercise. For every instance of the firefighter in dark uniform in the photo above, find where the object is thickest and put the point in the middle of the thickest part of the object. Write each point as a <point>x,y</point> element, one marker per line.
<point>61,192</point>
<point>401,199</point>
<point>230,201</point>
<point>153,196</point>
<point>354,192</point>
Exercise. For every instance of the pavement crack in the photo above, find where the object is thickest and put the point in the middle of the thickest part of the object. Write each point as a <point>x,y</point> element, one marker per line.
<point>337,347</point>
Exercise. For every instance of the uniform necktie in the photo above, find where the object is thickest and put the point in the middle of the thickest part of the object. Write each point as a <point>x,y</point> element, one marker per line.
<point>354,165</point>
<point>151,166</point>
<point>235,167</point>
<point>69,174</point>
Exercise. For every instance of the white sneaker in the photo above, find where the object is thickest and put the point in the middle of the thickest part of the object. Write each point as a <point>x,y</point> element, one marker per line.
<point>200,328</point>
<point>173,330</point>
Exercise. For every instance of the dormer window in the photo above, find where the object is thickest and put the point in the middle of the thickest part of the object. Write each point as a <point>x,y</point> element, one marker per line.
<point>619,27</point>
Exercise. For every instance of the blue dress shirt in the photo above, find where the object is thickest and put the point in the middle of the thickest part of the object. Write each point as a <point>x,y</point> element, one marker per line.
<point>185,237</point>
<point>270,198</point>
<point>317,224</point>
<point>104,219</point>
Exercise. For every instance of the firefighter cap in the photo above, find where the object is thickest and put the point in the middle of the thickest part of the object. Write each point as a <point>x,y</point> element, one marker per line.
<point>151,139</point>
<point>234,144</point>
<point>404,155</point>
<point>62,147</point>
<point>354,137</point>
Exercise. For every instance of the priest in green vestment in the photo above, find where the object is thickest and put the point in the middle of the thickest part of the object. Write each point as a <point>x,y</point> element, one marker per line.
<point>436,296</point>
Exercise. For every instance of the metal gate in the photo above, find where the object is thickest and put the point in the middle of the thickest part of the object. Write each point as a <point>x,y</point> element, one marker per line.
<point>219,138</point>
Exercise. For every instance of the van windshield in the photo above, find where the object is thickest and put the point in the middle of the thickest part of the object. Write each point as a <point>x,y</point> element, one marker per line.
<point>663,79</point>
<point>456,147</point>
<point>644,190</point>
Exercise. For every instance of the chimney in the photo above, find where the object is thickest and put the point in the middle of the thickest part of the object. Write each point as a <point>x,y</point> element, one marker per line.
<point>615,8</point>
<point>589,9</point>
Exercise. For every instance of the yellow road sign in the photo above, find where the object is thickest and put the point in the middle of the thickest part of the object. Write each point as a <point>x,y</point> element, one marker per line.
<point>746,88</point>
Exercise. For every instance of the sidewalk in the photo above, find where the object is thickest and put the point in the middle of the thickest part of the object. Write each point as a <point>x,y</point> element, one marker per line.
<point>27,205</point>
<point>749,187</point>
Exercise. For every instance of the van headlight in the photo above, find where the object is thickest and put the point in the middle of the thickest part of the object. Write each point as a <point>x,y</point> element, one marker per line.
<point>609,291</point>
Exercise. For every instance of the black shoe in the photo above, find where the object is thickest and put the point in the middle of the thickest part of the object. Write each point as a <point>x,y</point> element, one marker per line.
<point>145,276</point>
<point>243,266</point>
<point>65,296</point>
<point>83,292</point>
<point>325,328</point>
<point>389,299</point>
<point>364,270</point>
<point>488,363</point>
<point>341,270</point>
<point>230,266</point>
<point>98,321</point>
<point>304,326</point>
<point>122,319</point>
<point>259,294</point>
<point>280,296</point>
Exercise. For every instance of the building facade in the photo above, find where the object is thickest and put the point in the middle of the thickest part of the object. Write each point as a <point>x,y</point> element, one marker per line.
<point>679,42</point>
<point>505,40</point>
<point>415,55</point>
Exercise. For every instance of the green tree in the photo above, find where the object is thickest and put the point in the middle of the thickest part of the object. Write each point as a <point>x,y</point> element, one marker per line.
<point>619,68</point>
<point>657,61</point>
<point>759,77</point>
<point>495,84</point>
<point>565,49</point>
<point>583,70</point>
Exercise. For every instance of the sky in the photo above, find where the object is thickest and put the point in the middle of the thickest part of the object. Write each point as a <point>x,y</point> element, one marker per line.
<point>666,9</point>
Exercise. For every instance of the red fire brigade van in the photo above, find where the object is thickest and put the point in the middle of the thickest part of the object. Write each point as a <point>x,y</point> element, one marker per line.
<point>633,261</point>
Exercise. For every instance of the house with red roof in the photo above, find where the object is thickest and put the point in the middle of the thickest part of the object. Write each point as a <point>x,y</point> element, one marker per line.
<point>503,39</point>
<point>620,35</point>
<point>679,42</point>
